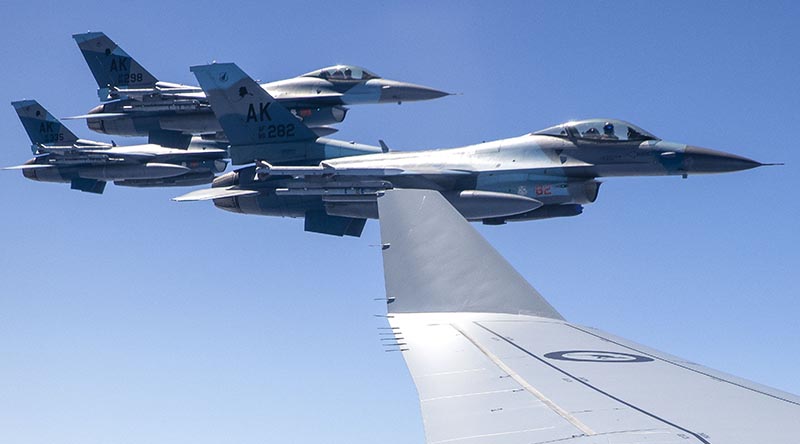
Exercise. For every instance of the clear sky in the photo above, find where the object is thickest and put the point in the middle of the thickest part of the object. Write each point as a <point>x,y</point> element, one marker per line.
<point>128,318</point>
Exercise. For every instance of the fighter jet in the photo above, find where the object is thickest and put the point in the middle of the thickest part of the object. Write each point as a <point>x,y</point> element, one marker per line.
<point>544,174</point>
<point>494,362</point>
<point>138,104</point>
<point>87,165</point>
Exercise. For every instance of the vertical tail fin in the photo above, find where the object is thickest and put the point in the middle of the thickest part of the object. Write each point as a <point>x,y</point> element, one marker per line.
<point>246,112</point>
<point>41,126</point>
<point>421,231</point>
<point>111,66</point>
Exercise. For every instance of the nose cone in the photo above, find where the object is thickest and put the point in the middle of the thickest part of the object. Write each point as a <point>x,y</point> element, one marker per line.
<point>392,91</point>
<point>703,160</point>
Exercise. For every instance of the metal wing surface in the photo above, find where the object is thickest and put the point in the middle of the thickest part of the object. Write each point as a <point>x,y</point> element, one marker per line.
<point>493,362</point>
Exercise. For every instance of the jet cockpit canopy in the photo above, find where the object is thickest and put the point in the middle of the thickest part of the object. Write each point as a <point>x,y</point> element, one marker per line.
<point>342,72</point>
<point>598,130</point>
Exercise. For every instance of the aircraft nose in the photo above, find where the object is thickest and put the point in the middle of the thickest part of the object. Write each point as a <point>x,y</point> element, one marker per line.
<point>408,92</point>
<point>704,160</point>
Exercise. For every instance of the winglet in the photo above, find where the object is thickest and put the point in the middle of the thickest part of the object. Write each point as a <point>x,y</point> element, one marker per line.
<point>437,262</point>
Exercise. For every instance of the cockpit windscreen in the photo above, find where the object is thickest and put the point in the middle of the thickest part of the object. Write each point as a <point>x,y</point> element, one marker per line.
<point>598,130</point>
<point>342,72</point>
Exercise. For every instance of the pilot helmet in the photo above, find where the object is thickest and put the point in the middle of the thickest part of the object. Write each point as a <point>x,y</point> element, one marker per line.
<point>608,128</point>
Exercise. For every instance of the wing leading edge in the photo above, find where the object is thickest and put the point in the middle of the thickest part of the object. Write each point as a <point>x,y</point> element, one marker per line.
<point>509,369</point>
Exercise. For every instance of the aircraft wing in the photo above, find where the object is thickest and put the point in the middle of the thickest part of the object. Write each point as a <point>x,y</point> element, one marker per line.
<point>493,362</point>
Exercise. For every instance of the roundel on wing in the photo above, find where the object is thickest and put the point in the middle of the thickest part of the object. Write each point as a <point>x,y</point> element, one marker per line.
<point>596,356</point>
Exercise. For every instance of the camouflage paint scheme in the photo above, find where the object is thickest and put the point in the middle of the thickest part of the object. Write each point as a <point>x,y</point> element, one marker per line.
<point>138,104</point>
<point>548,173</point>
<point>87,165</point>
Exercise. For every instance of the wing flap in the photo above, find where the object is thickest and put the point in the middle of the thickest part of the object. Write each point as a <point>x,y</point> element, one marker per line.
<point>323,223</point>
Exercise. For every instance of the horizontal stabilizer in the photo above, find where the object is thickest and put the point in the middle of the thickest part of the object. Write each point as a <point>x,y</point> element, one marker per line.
<point>214,193</point>
<point>88,185</point>
<point>323,223</point>
<point>169,139</point>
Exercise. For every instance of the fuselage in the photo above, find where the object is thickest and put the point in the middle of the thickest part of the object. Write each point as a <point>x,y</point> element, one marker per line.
<point>317,99</point>
<point>135,165</point>
<point>558,171</point>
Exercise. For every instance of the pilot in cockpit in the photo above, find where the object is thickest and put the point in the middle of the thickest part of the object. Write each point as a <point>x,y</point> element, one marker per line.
<point>608,132</point>
<point>591,133</point>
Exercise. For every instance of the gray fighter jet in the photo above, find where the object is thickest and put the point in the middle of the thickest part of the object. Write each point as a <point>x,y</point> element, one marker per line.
<point>544,174</point>
<point>87,165</point>
<point>138,104</point>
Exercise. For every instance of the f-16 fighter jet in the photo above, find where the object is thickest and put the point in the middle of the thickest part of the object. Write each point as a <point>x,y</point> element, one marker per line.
<point>544,174</point>
<point>87,165</point>
<point>138,104</point>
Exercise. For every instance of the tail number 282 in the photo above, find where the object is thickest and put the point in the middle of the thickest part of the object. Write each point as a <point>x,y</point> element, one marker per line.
<point>274,131</point>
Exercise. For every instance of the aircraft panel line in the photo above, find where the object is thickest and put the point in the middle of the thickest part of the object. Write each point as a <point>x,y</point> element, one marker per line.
<point>527,386</point>
<point>684,366</point>
<point>597,389</point>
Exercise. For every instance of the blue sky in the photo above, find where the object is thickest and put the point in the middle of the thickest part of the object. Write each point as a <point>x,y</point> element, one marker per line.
<point>128,318</point>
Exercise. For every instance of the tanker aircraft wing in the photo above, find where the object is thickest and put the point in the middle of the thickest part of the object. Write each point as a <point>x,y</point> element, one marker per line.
<point>494,362</point>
